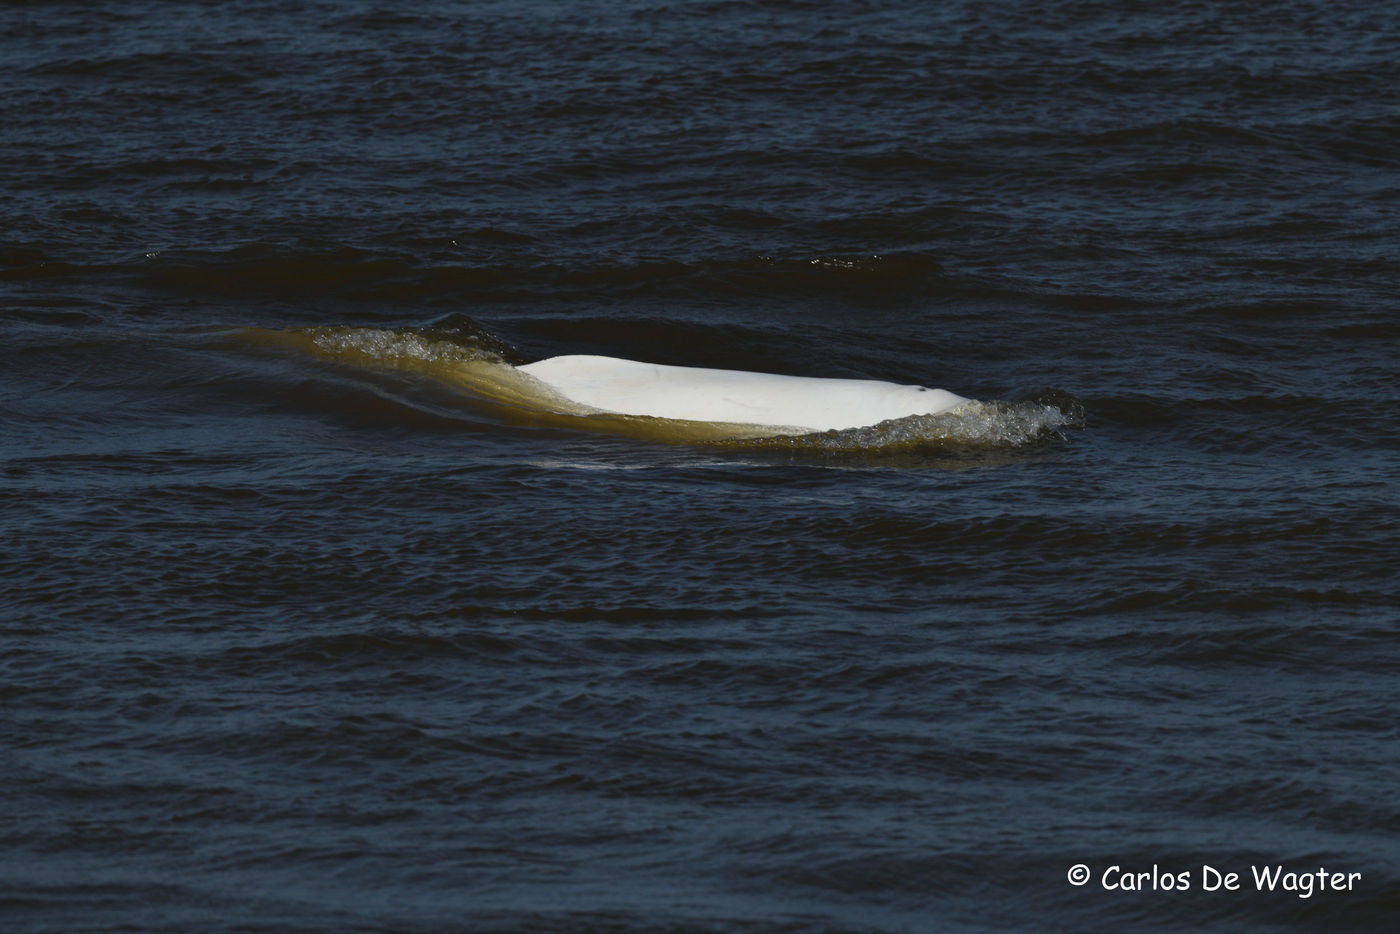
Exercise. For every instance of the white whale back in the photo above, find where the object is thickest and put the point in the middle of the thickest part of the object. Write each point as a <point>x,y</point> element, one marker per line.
<point>803,403</point>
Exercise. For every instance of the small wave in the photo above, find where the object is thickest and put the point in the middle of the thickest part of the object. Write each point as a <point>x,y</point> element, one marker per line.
<point>409,347</point>
<point>976,424</point>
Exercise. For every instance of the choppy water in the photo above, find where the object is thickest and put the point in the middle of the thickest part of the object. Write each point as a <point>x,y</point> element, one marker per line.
<point>300,632</point>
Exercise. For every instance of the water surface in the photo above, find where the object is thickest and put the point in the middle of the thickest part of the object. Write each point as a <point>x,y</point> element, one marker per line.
<point>301,636</point>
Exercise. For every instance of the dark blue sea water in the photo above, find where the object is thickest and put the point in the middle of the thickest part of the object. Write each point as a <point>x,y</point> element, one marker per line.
<point>300,633</point>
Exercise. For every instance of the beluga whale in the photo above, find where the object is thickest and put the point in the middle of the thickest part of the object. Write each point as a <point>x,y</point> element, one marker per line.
<point>679,404</point>
<point>785,404</point>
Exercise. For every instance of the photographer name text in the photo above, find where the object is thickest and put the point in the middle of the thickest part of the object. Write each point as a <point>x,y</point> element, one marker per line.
<point>1277,878</point>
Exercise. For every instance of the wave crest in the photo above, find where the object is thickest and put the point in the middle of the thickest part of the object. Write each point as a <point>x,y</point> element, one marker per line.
<point>975,424</point>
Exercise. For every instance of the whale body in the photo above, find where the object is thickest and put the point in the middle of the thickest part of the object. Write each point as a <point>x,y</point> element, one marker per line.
<point>798,404</point>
